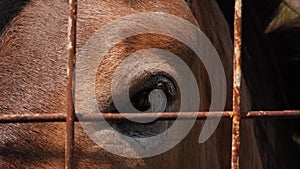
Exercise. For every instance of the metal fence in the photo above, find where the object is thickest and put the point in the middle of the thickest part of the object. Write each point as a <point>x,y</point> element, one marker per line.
<point>69,117</point>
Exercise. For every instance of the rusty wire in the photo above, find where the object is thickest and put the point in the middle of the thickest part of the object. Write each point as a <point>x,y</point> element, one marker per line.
<point>69,145</point>
<point>237,76</point>
<point>60,117</point>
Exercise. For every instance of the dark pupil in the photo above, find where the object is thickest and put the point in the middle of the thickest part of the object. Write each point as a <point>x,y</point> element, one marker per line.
<point>140,100</point>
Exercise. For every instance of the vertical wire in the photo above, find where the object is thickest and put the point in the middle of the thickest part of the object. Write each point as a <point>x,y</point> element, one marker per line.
<point>69,146</point>
<point>235,151</point>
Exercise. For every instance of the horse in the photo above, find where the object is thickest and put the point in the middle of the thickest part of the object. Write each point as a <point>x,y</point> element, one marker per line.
<point>33,45</point>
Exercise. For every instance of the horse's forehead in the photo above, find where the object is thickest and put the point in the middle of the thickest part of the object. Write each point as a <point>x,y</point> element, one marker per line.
<point>93,15</point>
<point>117,8</point>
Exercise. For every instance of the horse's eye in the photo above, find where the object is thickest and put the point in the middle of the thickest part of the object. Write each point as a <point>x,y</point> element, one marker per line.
<point>140,99</point>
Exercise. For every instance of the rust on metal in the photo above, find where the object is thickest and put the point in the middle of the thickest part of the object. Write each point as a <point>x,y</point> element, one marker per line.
<point>163,116</point>
<point>272,114</point>
<point>31,118</point>
<point>60,117</point>
<point>69,146</point>
<point>235,149</point>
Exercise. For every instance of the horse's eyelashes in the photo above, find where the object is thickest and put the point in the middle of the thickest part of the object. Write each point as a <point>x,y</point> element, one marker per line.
<point>139,95</point>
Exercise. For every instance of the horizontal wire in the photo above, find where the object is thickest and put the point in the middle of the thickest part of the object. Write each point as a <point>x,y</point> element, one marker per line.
<point>60,117</point>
